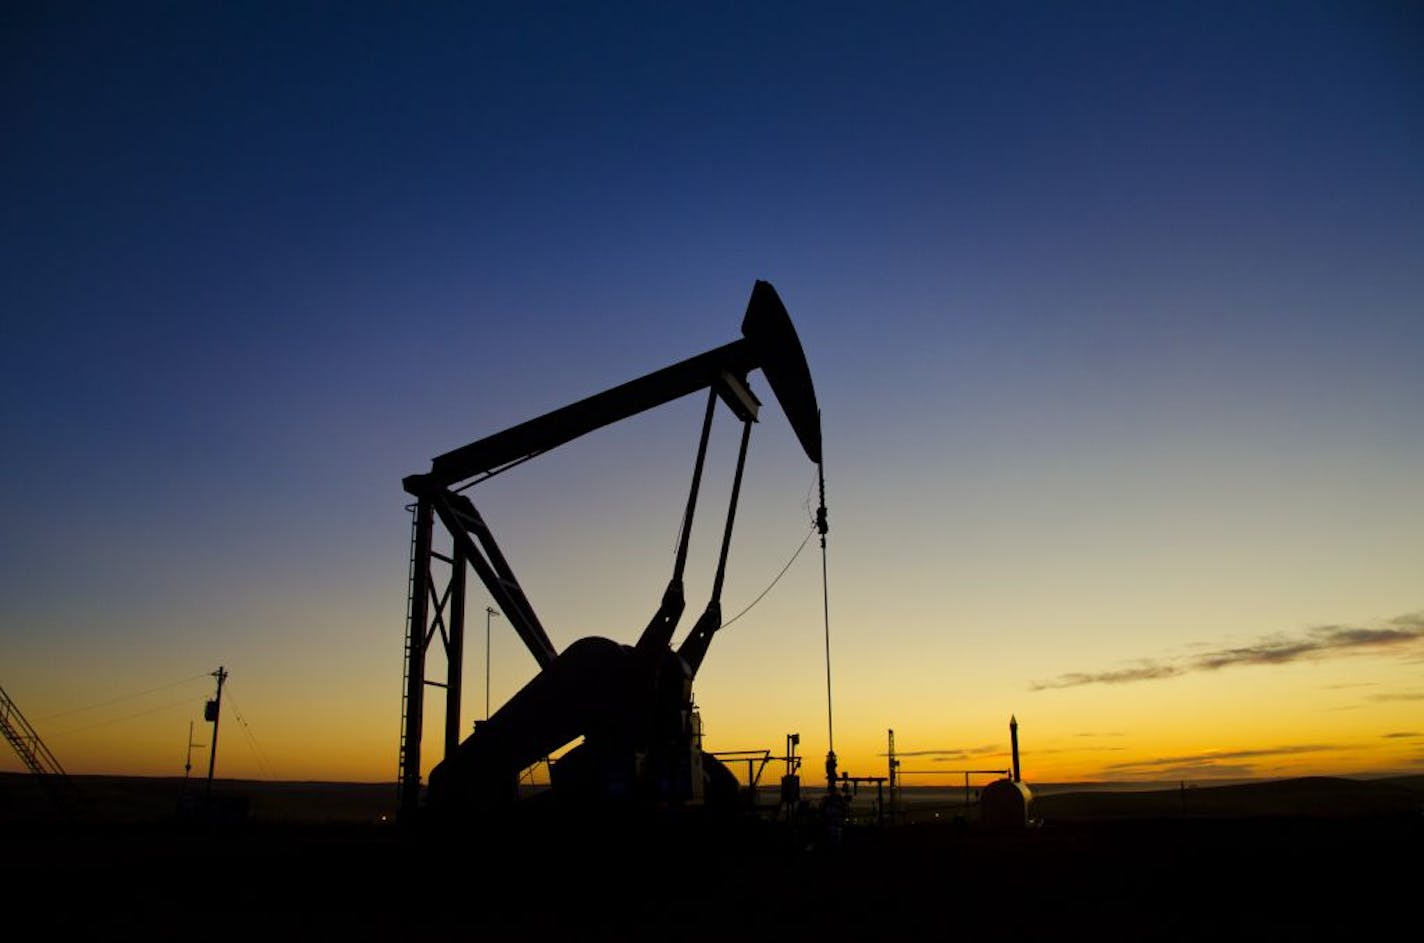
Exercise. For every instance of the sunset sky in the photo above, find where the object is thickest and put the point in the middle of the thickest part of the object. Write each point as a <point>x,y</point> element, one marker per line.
<point>1115,313</point>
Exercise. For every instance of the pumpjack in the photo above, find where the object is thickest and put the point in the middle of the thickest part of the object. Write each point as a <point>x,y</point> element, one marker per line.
<point>631,704</point>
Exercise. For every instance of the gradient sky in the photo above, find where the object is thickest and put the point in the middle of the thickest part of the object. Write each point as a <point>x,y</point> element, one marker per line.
<point>1115,311</point>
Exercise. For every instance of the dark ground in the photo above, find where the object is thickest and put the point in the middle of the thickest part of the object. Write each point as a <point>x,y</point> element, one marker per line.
<point>1297,860</point>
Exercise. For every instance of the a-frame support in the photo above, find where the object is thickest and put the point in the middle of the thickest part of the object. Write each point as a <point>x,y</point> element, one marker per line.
<point>430,616</point>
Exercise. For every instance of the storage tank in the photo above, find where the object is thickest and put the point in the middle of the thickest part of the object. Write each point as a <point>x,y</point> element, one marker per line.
<point>1005,804</point>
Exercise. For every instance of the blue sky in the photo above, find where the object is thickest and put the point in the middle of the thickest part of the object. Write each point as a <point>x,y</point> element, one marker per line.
<point>1114,312</point>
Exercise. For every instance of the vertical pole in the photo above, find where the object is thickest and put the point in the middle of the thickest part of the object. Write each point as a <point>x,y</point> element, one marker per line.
<point>490,613</point>
<point>1014,739</point>
<point>894,771</point>
<point>415,664</point>
<point>455,652</point>
<point>823,527</point>
<point>221,675</point>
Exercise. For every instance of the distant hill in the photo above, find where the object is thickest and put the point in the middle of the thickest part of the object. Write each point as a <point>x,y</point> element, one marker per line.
<point>152,799</point>
<point>1311,796</point>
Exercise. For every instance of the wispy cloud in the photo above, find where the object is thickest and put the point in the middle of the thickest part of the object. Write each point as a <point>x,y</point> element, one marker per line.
<point>980,756</point>
<point>1146,671</point>
<point>1193,771</point>
<point>1403,635</point>
<point>952,753</point>
<point>1403,735</point>
<point>1001,749</point>
<point>1399,696</point>
<point>1215,755</point>
<point>1212,762</point>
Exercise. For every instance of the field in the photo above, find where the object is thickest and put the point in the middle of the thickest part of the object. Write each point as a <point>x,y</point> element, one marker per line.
<point>1291,860</point>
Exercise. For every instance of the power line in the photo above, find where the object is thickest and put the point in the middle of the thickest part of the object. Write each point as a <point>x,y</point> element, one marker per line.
<point>121,698</point>
<point>804,542</point>
<point>257,751</point>
<point>142,713</point>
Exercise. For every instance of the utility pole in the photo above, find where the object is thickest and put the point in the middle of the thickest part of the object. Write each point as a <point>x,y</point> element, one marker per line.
<point>489,614</point>
<point>212,712</point>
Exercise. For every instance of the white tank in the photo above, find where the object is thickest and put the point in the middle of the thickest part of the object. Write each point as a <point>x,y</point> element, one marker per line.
<point>1005,804</point>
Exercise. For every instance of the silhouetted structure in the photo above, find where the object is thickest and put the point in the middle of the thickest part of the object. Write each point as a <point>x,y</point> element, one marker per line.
<point>893,770</point>
<point>1006,803</point>
<point>631,704</point>
<point>212,713</point>
<point>32,750</point>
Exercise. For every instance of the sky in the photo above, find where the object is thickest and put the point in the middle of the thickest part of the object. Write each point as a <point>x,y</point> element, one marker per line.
<point>1115,313</point>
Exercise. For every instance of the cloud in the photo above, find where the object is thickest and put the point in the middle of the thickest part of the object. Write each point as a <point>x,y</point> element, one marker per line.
<point>1403,735</point>
<point>1399,696</point>
<point>1214,762</point>
<point>1203,771</point>
<point>950,759</point>
<point>1146,671</point>
<point>952,753</point>
<point>1214,755</point>
<point>1403,635</point>
<point>991,749</point>
<point>1412,621</point>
